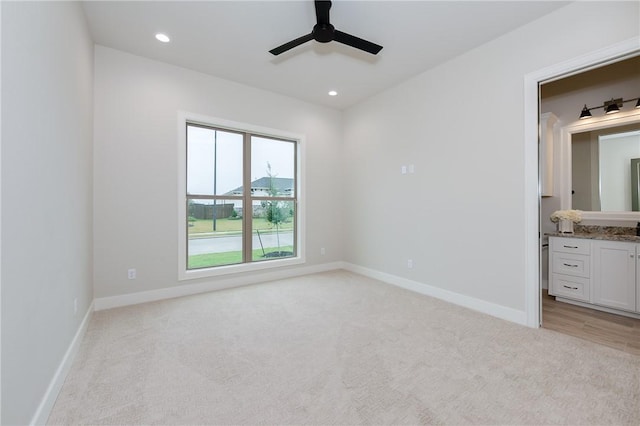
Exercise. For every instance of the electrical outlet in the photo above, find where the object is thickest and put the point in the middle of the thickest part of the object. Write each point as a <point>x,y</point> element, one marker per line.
<point>322,251</point>
<point>131,274</point>
<point>75,306</point>
<point>410,263</point>
<point>412,168</point>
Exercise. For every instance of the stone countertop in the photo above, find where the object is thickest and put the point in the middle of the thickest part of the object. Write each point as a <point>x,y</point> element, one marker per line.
<point>593,236</point>
<point>610,233</point>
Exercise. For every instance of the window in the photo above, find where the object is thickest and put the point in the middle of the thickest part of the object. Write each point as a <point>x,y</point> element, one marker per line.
<point>240,196</point>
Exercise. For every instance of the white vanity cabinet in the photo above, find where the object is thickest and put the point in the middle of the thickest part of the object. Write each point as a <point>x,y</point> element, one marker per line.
<point>570,268</point>
<point>604,274</point>
<point>615,274</point>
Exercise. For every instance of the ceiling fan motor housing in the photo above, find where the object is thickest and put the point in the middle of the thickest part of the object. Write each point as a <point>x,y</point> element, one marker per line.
<point>323,33</point>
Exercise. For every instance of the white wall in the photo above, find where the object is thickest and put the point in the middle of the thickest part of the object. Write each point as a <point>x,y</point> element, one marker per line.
<point>47,82</point>
<point>462,213</point>
<point>135,165</point>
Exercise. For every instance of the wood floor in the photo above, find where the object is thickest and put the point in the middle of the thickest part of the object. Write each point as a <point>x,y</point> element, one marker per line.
<point>615,331</point>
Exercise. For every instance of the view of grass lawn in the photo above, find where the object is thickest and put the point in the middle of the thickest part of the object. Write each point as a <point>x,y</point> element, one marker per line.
<point>201,226</point>
<point>229,258</point>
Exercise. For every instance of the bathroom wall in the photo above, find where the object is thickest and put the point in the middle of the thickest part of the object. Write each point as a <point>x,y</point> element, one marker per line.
<point>566,97</point>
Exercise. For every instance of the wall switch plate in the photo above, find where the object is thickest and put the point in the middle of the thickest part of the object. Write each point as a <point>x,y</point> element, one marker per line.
<point>410,263</point>
<point>322,251</point>
<point>403,170</point>
<point>412,168</point>
<point>131,274</point>
<point>75,306</point>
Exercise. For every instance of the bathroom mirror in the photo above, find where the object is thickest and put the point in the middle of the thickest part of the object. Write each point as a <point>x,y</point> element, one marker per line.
<point>596,164</point>
<point>601,165</point>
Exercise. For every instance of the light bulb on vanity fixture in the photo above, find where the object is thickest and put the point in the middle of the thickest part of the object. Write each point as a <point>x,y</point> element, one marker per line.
<point>610,107</point>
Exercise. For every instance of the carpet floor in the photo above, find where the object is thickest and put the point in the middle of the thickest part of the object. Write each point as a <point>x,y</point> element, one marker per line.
<point>337,348</point>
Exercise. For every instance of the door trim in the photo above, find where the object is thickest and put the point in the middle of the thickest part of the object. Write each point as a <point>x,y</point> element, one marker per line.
<point>531,158</point>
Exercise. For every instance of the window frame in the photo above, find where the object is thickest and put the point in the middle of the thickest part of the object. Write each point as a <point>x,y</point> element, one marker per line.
<point>185,118</point>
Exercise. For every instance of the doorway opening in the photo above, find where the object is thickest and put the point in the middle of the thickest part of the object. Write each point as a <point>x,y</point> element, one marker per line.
<point>562,96</point>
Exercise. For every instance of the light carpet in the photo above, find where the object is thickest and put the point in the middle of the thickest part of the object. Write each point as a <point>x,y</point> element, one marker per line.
<point>337,348</point>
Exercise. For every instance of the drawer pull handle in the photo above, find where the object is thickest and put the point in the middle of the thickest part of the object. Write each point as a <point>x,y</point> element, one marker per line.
<point>570,246</point>
<point>567,264</point>
<point>570,288</point>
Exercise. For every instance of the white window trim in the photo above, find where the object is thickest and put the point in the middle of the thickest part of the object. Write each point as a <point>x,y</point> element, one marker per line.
<point>185,117</point>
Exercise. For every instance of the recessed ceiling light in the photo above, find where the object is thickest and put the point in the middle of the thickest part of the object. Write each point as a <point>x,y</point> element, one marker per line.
<point>163,38</point>
<point>333,93</point>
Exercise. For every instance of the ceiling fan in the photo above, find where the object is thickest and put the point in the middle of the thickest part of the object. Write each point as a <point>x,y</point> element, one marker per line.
<point>324,32</point>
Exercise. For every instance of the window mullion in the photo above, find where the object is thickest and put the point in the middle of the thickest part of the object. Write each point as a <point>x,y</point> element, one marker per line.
<point>247,201</point>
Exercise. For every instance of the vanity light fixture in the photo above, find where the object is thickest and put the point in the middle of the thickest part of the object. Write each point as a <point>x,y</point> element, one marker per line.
<point>585,113</point>
<point>610,107</point>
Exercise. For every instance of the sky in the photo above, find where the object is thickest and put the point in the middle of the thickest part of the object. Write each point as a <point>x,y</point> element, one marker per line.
<point>204,144</point>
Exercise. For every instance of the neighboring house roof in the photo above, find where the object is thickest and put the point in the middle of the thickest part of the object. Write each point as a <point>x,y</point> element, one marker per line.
<point>284,186</point>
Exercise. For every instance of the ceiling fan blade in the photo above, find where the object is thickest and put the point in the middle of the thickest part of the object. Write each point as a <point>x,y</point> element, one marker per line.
<point>290,45</point>
<point>322,11</point>
<point>356,42</point>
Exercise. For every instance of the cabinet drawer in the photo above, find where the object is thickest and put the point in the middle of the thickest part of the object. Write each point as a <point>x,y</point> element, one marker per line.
<point>571,287</point>
<point>571,264</point>
<point>571,245</point>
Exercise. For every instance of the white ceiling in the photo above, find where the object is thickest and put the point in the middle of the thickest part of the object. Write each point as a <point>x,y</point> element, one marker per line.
<point>231,39</point>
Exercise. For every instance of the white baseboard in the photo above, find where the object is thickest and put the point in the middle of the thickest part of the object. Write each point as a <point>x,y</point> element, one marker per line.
<point>213,284</point>
<point>479,305</point>
<point>48,400</point>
